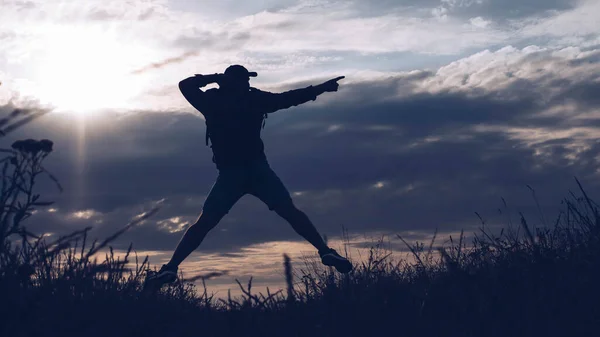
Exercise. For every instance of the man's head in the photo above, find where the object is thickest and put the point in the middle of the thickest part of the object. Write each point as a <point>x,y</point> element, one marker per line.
<point>236,78</point>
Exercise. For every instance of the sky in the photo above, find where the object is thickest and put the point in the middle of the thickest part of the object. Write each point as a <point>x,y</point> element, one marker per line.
<point>447,107</point>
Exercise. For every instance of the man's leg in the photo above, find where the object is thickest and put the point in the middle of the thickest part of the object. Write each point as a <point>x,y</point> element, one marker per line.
<point>304,227</point>
<point>226,191</point>
<point>193,236</point>
<point>275,195</point>
<point>301,224</point>
<point>267,186</point>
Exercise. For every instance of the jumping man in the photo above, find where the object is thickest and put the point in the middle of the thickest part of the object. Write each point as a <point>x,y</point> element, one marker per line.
<point>234,115</point>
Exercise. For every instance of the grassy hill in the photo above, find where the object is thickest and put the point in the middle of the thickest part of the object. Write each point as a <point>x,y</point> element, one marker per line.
<point>521,282</point>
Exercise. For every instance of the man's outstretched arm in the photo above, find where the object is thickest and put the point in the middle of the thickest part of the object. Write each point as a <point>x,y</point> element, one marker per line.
<point>284,100</point>
<point>190,88</point>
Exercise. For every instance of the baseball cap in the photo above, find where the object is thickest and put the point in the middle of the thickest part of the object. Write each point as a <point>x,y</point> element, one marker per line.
<point>237,70</point>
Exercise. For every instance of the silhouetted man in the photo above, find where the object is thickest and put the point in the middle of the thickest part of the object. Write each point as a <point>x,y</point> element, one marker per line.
<point>235,114</point>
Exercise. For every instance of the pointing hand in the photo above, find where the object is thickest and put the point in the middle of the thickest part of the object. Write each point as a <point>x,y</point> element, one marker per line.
<point>332,84</point>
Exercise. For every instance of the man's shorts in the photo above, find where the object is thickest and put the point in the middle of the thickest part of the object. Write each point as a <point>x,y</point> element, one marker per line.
<point>256,178</point>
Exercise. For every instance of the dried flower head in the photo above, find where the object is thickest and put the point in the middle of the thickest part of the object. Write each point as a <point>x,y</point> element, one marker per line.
<point>33,146</point>
<point>46,145</point>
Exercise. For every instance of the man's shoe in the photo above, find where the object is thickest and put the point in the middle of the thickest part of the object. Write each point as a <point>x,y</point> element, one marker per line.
<point>155,280</point>
<point>330,257</point>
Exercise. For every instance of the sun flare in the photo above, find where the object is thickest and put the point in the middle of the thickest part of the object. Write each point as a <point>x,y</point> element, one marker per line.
<point>86,70</point>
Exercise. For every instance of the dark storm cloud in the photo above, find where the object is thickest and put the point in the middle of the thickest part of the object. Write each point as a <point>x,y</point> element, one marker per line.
<point>416,151</point>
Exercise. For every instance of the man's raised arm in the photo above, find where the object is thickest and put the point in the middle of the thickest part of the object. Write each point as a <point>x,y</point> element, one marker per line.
<point>277,101</point>
<point>190,88</point>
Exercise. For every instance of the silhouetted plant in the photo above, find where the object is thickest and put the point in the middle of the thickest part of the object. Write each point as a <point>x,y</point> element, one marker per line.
<point>19,173</point>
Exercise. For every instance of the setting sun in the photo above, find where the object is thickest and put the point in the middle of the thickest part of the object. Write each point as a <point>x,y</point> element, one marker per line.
<point>84,70</point>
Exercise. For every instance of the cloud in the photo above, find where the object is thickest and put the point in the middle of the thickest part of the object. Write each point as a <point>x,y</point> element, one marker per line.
<point>84,214</point>
<point>479,22</point>
<point>165,62</point>
<point>337,31</point>
<point>109,10</point>
<point>497,10</point>
<point>502,10</point>
<point>510,68</point>
<point>118,10</point>
<point>173,225</point>
<point>575,26</point>
<point>282,38</point>
<point>208,40</point>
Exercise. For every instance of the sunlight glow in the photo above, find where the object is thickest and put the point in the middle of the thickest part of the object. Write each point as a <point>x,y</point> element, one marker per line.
<point>85,70</point>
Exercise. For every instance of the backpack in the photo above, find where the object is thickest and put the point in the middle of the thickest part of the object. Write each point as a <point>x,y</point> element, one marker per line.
<point>265,116</point>
<point>207,133</point>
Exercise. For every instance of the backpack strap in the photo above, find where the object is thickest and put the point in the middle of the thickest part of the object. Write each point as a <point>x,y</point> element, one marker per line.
<point>207,141</point>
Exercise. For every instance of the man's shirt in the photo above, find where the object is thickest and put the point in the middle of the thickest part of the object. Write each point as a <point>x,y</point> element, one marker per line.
<point>234,122</point>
